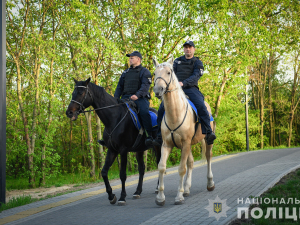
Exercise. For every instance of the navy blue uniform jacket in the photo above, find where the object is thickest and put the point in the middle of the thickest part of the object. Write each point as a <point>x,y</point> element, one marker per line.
<point>192,81</point>
<point>145,78</point>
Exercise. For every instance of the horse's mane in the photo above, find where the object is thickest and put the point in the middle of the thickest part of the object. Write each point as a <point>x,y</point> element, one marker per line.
<point>99,91</point>
<point>175,81</point>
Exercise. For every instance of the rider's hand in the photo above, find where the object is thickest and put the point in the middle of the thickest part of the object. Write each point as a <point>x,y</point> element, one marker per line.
<point>134,97</point>
<point>181,84</point>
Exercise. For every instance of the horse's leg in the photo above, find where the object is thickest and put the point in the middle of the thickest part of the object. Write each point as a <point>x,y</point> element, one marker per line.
<point>160,198</point>
<point>157,150</point>
<point>185,152</point>
<point>123,177</point>
<point>141,168</point>
<point>110,158</point>
<point>188,178</point>
<point>210,182</point>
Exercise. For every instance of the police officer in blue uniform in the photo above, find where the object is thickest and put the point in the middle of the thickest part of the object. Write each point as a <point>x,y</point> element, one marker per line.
<point>134,83</point>
<point>188,70</point>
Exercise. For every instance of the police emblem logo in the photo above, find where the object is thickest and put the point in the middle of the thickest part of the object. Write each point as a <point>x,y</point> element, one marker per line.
<point>178,62</point>
<point>201,71</point>
<point>150,80</point>
<point>217,207</point>
<point>188,41</point>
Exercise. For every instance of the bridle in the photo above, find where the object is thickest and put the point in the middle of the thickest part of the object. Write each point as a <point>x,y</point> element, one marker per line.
<point>167,83</point>
<point>187,106</point>
<point>82,108</point>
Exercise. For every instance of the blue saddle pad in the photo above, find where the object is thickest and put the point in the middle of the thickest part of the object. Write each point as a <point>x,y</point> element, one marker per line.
<point>195,111</point>
<point>136,121</point>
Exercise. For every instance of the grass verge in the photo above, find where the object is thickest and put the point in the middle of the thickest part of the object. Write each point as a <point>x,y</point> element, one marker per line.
<point>18,201</point>
<point>288,187</point>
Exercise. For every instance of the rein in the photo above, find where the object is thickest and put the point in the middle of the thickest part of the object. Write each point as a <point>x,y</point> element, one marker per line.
<point>82,110</point>
<point>187,105</point>
<point>172,131</point>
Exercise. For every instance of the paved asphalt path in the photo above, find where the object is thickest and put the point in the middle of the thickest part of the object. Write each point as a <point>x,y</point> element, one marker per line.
<point>235,176</point>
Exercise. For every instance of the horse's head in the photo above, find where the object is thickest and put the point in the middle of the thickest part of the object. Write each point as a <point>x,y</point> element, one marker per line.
<point>81,99</point>
<point>163,77</point>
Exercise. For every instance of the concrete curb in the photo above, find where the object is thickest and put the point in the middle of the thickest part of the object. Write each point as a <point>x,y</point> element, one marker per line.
<point>272,184</point>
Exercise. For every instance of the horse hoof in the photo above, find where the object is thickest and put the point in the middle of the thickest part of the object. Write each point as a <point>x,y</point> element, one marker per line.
<point>136,196</point>
<point>160,203</point>
<point>113,201</point>
<point>121,203</point>
<point>186,194</point>
<point>156,191</point>
<point>179,202</point>
<point>211,188</point>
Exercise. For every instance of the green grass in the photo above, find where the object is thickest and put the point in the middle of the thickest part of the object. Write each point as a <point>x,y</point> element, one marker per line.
<point>18,201</point>
<point>83,178</point>
<point>289,189</point>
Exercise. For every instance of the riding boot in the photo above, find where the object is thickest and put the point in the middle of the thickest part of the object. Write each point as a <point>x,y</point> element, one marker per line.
<point>160,114</point>
<point>210,137</point>
<point>149,139</point>
<point>158,140</point>
<point>102,142</point>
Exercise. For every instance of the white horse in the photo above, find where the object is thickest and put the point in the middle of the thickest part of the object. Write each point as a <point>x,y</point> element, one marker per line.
<point>178,129</point>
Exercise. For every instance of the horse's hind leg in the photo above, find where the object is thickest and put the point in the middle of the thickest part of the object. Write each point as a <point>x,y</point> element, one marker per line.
<point>110,158</point>
<point>188,178</point>
<point>182,170</point>
<point>123,177</point>
<point>160,198</point>
<point>141,168</point>
<point>210,182</point>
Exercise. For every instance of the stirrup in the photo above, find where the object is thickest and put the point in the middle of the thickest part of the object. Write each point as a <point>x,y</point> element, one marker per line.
<point>157,141</point>
<point>149,141</point>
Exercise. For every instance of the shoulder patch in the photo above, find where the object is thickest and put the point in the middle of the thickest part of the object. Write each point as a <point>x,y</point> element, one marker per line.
<point>149,80</point>
<point>201,71</point>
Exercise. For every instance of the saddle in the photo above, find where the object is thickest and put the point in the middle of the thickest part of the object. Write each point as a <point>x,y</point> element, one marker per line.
<point>134,111</point>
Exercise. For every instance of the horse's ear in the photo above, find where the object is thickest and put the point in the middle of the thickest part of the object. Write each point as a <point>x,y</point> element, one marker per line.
<point>155,62</point>
<point>171,60</point>
<point>75,80</point>
<point>87,81</point>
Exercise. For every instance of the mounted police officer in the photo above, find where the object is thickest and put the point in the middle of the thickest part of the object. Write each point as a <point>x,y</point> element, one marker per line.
<point>134,83</point>
<point>188,70</point>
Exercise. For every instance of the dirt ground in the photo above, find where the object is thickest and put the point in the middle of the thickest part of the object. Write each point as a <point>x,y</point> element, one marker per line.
<point>43,192</point>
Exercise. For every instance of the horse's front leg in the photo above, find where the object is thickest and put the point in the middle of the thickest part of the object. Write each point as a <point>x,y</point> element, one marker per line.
<point>123,177</point>
<point>157,150</point>
<point>160,198</point>
<point>110,158</point>
<point>188,178</point>
<point>141,168</point>
<point>186,149</point>
<point>210,182</point>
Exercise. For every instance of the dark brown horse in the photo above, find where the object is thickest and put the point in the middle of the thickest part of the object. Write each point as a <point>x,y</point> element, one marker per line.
<point>120,134</point>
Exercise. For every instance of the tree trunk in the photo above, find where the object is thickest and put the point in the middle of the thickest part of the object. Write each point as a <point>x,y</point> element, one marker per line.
<point>218,103</point>
<point>294,102</point>
<point>100,147</point>
<point>91,148</point>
